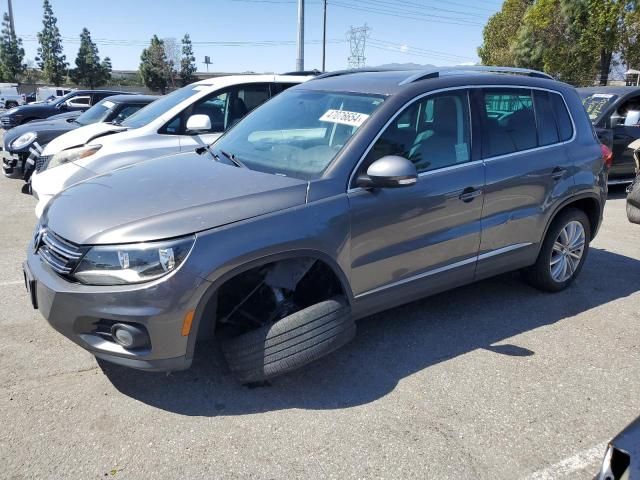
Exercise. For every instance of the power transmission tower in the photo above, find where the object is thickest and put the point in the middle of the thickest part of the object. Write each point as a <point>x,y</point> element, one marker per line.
<point>357,41</point>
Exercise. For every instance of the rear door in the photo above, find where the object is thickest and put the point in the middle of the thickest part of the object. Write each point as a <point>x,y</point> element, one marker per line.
<point>528,171</point>
<point>224,108</point>
<point>407,242</point>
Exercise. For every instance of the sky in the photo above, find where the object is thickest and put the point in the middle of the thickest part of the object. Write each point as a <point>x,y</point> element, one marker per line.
<point>260,35</point>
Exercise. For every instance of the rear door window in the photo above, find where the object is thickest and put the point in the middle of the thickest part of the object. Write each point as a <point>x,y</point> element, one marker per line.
<point>545,119</point>
<point>509,122</point>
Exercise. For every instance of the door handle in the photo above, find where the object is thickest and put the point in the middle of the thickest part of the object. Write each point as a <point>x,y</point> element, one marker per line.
<point>469,193</point>
<point>558,172</point>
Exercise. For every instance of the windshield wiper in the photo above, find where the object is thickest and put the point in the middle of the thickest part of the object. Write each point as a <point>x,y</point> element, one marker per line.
<point>231,157</point>
<point>236,161</point>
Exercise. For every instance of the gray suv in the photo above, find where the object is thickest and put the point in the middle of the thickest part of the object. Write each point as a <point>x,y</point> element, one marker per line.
<point>344,196</point>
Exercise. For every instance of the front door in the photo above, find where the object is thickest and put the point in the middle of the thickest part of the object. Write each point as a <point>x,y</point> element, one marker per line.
<point>423,238</point>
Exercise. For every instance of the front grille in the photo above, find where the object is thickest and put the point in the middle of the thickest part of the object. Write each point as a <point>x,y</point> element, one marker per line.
<point>5,121</point>
<point>61,255</point>
<point>42,162</point>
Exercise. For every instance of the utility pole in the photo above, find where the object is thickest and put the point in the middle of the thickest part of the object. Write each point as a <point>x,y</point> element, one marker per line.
<point>300,59</point>
<point>13,28</point>
<point>324,33</point>
<point>357,41</point>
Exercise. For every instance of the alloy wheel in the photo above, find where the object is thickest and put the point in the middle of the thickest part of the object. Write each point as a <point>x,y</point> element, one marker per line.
<point>567,251</point>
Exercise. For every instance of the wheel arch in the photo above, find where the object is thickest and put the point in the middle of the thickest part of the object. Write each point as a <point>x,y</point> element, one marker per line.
<point>207,303</point>
<point>589,203</point>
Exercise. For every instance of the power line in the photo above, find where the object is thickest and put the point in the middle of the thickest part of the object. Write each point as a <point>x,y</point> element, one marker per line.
<point>408,15</point>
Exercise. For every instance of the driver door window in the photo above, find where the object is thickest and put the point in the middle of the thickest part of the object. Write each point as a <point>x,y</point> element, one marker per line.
<point>433,133</point>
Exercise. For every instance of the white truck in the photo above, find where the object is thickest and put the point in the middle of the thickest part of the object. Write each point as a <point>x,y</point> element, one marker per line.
<point>9,96</point>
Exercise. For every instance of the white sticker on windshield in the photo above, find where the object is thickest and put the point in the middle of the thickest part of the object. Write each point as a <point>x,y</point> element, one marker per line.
<point>108,103</point>
<point>344,117</point>
<point>602,95</point>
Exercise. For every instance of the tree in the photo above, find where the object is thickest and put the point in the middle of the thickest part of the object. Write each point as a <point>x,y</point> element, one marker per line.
<point>154,67</point>
<point>172,51</point>
<point>501,32</point>
<point>50,58</point>
<point>187,62</point>
<point>551,39</point>
<point>11,53</point>
<point>89,71</point>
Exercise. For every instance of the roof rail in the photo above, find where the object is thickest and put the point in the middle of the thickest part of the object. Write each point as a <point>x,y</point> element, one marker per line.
<point>437,72</point>
<point>338,73</point>
<point>304,72</point>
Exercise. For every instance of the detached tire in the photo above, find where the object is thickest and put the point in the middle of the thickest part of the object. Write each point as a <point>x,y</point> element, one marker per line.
<point>570,229</point>
<point>290,343</point>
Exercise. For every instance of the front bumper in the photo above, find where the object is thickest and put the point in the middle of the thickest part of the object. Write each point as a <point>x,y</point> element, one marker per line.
<point>80,312</point>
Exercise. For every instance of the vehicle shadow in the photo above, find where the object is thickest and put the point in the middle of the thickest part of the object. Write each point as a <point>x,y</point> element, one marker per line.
<point>389,346</point>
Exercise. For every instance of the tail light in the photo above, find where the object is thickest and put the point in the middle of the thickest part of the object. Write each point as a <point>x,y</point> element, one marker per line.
<point>607,155</point>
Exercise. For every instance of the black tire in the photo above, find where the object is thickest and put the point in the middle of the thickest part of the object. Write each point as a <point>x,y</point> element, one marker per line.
<point>290,343</point>
<point>539,274</point>
<point>633,202</point>
<point>633,213</point>
<point>9,105</point>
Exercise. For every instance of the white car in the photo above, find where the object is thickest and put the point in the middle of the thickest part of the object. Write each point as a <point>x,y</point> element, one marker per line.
<point>191,117</point>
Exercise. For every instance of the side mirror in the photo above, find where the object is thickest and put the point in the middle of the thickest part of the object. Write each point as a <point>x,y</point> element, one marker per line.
<point>198,124</point>
<point>62,106</point>
<point>391,171</point>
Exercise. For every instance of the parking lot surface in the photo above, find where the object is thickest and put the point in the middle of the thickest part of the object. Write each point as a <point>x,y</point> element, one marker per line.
<point>493,380</point>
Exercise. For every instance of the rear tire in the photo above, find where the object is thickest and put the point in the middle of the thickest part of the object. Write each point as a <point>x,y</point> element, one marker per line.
<point>290,343</point>
<point>9,105</point>
<point>568,236</point>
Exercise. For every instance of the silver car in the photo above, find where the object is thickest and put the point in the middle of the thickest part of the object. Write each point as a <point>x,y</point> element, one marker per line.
<point>349,194</point>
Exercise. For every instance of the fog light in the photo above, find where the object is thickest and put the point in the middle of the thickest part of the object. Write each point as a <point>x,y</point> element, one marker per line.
<point>129,336</point>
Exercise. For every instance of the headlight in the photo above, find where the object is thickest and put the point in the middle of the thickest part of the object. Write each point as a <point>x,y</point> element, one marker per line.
<point>10,111</point>
<point>23,140</point>
<point>73,154</point>
<point>135,263</point>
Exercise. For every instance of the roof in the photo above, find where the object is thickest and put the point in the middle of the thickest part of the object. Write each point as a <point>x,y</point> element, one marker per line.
<point>136,98</point>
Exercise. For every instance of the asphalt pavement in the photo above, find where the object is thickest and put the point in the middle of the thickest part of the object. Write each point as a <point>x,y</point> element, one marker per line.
<point>493,380</point>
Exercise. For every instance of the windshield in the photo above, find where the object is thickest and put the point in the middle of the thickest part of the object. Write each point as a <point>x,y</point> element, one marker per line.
<point>161,106</point>
<point>597,103</point>
<point>98,113</point>
<point>298,133</point>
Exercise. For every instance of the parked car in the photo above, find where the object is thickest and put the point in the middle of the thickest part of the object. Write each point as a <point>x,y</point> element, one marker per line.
<point>344,196</point>
<point>622,458</point>
<point>76,100</point>
<point>9,96</point>
<point>615,114</point>
<point>19,141</point>
<point>46,93</point>
<point>181,121</point>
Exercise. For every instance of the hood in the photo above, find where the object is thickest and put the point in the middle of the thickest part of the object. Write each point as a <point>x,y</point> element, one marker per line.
<point>80,136</point>
<point>167,197</point>
<point>45,129</point>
